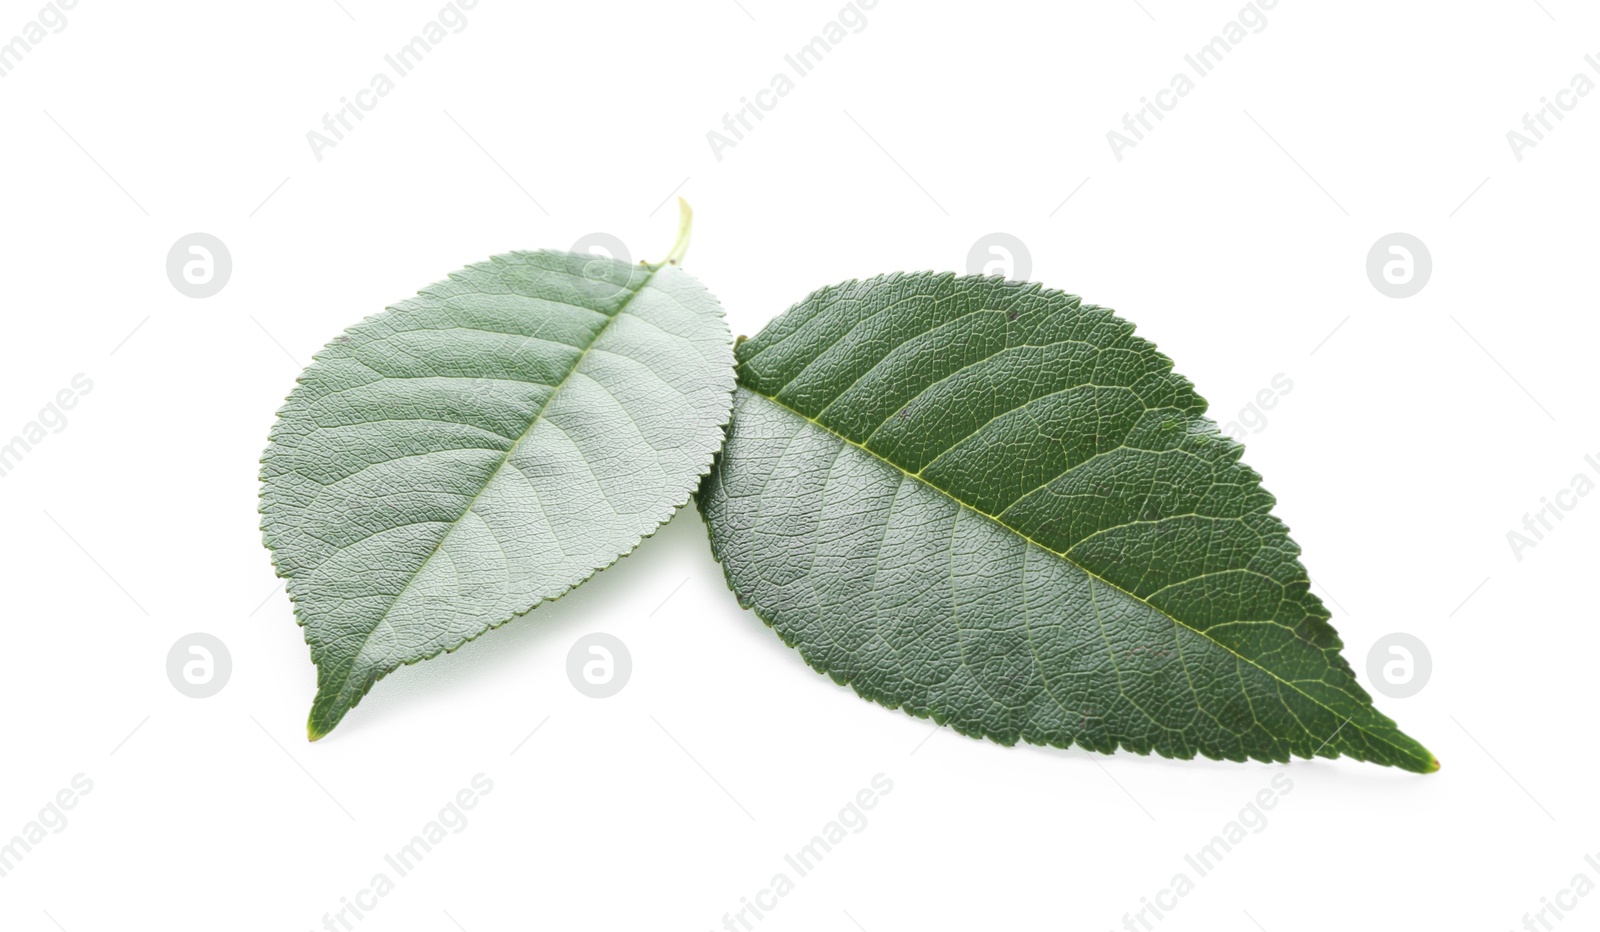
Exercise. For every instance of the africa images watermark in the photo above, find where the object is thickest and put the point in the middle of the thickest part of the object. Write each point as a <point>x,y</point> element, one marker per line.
<point>51,820</point>
<point>50,20</point>
<point>1251,820</point>
<point>850,20</point>
<point>1538,123</point>
<point>1252,418</point>
<point>851,820</point>
<point>1202,62</point>
<point>1537,524</point>
<point>1564,901</point>
<point>451,820</point>
<point>451,20</point>
<point>52,419</point>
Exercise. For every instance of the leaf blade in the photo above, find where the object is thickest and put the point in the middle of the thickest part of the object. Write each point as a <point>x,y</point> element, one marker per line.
<point>1019,469</point>
<point>449,464</point>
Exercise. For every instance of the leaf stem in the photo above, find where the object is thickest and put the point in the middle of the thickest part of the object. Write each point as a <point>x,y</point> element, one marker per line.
<point>685,223</point>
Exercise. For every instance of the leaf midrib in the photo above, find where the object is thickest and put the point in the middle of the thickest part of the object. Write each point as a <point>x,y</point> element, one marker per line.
<point>504,459</point>
<point>1088,572</point>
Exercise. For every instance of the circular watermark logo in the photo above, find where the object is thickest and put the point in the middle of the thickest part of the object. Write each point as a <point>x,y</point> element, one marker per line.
<point>1000,254</point>
<point>199,665</point>
<point>1399,265</point>
<point>1399,665</point>
<point>198,265</point>
<point>604,247</point>
<point>599,665</point>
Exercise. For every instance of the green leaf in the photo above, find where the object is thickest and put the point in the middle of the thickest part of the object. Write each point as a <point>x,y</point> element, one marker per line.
<point>450,463</point>
<point>987,503</point>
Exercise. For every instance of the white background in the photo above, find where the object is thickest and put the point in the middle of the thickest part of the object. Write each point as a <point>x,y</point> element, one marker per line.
<point>1235,236</point>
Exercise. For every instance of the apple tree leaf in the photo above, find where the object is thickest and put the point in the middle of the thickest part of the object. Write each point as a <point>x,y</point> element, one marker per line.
<point>990,504</point>
<point>452,462</point>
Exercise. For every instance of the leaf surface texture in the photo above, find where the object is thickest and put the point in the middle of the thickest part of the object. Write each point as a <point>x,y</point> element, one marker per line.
<point>448,464</point>
<point>991,504</point>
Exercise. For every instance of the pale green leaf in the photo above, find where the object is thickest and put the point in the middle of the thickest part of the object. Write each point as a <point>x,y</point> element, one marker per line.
<point>448,464</point>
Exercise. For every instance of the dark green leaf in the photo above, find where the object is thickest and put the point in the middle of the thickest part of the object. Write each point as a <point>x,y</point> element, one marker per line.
<point>987,503</point>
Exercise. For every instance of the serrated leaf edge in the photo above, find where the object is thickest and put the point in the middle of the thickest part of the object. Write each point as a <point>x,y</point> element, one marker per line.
<point>1206,428</point>
<point>692,486</point>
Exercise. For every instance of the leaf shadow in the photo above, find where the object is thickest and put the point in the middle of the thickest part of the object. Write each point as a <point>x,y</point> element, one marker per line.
<point>535,644</point>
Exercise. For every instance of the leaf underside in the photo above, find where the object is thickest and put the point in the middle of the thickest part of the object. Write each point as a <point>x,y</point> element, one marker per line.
<point>448,464</point>
<point>990,504</point>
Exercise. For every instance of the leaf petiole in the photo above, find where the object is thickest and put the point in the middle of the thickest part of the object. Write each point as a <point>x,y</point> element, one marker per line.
<point>685,223</point>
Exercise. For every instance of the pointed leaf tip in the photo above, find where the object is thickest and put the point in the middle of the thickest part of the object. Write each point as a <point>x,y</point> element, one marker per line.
<point>971,498</point>
<point>410,487</point>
